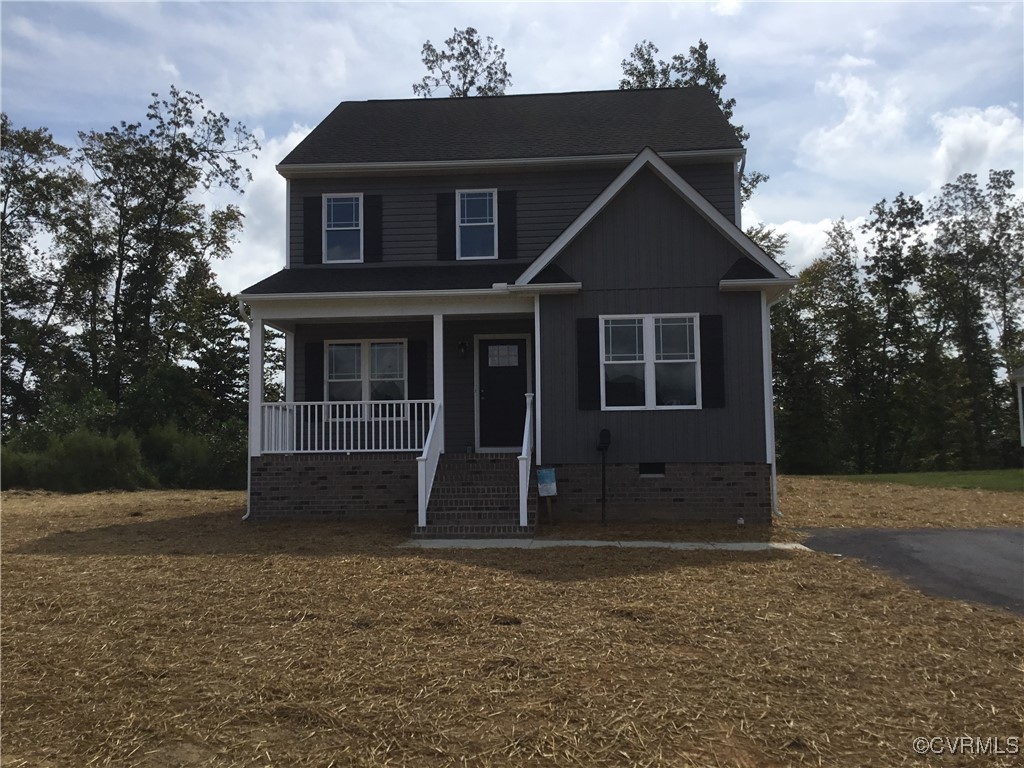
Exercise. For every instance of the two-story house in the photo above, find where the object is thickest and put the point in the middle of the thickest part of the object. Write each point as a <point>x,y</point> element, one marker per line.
<point>476,287</point>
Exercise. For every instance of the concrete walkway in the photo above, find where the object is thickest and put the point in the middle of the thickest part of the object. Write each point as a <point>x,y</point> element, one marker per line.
<point>719,546</point>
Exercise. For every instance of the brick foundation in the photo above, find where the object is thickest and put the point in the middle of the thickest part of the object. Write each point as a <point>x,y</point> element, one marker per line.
<point>688,493</point>
<point>356,485</point>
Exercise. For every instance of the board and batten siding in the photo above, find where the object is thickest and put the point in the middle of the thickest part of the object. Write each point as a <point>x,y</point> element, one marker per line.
<point>546,203</point>
<point>649,252</point>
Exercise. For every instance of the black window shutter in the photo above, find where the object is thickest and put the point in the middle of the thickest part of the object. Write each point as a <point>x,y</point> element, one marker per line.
<point>419,370</point>
<point>588,363</point>
<point>312,230</point>
<point>507,247</point>
<point>314,391</point>
<point>446,226</point>
<point>373,228</point>
<point>712,361</point>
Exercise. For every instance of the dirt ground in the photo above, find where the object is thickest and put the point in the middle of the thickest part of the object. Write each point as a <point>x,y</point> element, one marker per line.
<point>156,629</point>
<point>823,503</point>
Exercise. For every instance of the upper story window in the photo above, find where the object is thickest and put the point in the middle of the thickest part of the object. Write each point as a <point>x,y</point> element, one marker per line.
<point>650,362</point>
<point>477,224</point>
<point>343,228</point>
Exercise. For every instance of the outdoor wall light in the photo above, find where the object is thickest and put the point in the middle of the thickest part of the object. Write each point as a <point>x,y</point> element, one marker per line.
<point>463,349</point>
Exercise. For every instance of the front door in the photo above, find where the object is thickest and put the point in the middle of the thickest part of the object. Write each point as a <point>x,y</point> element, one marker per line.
<point>502,379</point>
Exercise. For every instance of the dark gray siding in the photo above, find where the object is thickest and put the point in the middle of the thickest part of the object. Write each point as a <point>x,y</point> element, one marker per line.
<point>459,391</point>
<point>652,241</point>
<point>547,202</point>
<point>304,334</point>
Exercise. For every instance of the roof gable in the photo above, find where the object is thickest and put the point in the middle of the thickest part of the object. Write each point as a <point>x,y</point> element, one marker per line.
<point>549,125</point>
<point>648,158</point>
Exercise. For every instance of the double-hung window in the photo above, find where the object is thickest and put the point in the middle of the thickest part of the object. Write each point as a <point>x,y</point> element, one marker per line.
<point>476,224</point>
<point>343,228</point>
<point>650,362</point>
<point>366,370</point>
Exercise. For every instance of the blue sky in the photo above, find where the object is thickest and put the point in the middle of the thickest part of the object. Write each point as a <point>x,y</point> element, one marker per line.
<point>846,103</point>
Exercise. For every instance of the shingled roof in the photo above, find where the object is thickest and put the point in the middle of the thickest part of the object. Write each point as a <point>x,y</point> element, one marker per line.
<point>544,125</point>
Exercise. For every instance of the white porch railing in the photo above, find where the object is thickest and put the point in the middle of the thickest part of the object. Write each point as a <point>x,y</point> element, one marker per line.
<point>343,427</point>
<point>525,460</point>
<point>426,464</point>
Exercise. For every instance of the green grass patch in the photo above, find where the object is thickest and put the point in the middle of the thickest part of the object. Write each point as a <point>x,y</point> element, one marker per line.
<point>982,479</point>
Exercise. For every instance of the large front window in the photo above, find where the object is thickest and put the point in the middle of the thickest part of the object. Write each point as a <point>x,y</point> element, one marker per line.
<point>343,232</point>
<point>366,370</point>
<point>650,362</point>
<point>477,225</point>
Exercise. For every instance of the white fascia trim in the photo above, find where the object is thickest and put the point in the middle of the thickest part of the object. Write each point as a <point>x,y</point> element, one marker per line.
<point>497,288</point>
<point>773,289</point>
<point>648,157</point>
<point>353,169</point>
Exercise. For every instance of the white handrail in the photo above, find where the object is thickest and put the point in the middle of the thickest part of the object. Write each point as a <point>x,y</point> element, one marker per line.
<point>345,427</point>
<point>525,460</point>
<point>426,465</point>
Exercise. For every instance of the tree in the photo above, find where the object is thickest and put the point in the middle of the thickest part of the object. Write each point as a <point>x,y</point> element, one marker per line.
<point>697,69</point>
<point>36,191</point>
<point>467,66</point>
<point>145,179</point>
<point>894,265</point>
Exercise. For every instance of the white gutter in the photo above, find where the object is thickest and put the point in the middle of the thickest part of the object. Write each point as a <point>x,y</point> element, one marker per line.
<point>241,312</point>
<point>298,170</point>
<point>496,288</point>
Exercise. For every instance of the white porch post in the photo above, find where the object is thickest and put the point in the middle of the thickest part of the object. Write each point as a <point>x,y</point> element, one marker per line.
<point>255,383</point>
<point>289,367</point>
<point>439,373</point>
<point>536,375</point>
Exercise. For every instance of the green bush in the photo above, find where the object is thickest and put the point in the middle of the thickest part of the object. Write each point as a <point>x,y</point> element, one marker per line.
<point>78,462</point>
<point>87,461</point>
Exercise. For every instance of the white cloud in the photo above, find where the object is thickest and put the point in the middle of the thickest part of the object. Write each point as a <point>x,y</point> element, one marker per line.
<point>873,121</point>
<point>973,141</point>
<point>854,62</point>
<point>261,249</point>
<point>726,7</point>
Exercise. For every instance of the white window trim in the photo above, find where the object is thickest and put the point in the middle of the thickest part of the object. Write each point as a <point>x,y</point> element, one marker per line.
<point>458,225</point>
<point>650,390</point>
<point>364,367</point>
<point>324,230</point>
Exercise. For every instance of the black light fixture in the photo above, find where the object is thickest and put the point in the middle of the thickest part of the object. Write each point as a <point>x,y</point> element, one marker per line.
<point>463,349</point>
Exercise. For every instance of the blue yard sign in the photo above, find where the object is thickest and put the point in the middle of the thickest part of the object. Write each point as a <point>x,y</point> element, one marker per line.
<point>546,482</point>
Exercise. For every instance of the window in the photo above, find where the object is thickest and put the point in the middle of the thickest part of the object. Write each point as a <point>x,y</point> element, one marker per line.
<point>366,370</point>
<point>477,220</point>
<point>650,362</point>
<point>343,230</point>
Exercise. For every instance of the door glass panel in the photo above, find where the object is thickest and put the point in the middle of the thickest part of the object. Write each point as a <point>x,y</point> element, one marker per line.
<point>503,356</point>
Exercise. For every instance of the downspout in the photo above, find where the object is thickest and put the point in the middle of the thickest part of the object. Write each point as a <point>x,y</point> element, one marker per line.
<point>248,459</point>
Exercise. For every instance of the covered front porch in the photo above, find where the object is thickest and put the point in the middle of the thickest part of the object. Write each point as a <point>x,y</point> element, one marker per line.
<point>410,380</point>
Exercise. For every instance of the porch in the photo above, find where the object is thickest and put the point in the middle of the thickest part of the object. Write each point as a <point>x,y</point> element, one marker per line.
<point>411,389</point>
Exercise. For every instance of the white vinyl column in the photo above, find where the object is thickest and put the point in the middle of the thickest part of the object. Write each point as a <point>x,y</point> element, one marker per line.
<point>289,367</point>
<point>255,383</point>
<point>439,373</point>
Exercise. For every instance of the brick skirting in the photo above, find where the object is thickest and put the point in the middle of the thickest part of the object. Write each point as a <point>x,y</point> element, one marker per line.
<point>716,493</point>
<point>358,485</point>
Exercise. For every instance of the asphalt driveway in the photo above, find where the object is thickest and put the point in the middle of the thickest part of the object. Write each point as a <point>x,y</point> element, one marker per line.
<point>983,565</point>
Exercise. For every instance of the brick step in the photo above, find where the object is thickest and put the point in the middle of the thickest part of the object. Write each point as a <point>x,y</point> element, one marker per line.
<point>483,531</point>
<point>472,506</point>
<point>471,487</point>
<point>478,516</point>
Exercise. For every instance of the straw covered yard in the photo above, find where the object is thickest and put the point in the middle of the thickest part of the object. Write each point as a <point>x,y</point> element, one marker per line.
<point>155,629</point>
